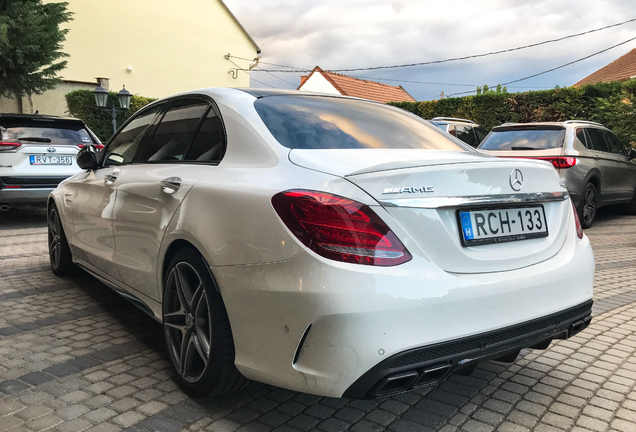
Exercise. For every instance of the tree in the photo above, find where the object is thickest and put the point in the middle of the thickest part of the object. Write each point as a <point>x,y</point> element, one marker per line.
<point>30,46</point>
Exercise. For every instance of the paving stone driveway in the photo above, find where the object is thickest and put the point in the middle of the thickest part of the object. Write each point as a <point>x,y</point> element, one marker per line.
<point>74,357</point>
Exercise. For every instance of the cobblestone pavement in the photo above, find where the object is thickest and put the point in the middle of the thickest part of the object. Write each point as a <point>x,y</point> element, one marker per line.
<point>74,356</point>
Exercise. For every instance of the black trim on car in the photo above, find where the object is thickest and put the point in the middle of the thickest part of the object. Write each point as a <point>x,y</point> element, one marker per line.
<point>31,181</point>
<point>427,366</point>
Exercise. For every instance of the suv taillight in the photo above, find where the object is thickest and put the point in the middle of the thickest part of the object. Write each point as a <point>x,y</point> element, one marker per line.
<point>4,145</point>
<point>579,228</point>
<point>560,161</point>
<point>339,228</point>
<point>97,146</point>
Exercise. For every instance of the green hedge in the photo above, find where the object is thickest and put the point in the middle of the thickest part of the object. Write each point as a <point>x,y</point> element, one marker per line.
<point>611,104</point>
<point>81,104</point>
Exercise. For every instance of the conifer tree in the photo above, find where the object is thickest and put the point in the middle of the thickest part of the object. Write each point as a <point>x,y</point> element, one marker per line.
<point>30,46</point>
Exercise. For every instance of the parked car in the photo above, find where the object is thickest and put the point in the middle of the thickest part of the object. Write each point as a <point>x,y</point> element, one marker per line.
<point>37,152</point>
<point>592,162</point>
<point>466,130</point>
<point>324,244</point>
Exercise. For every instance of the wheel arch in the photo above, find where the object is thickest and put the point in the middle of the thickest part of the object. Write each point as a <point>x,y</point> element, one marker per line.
<point>175,246</point>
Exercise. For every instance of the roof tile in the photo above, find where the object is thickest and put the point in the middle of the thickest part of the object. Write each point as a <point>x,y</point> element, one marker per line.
<point>356,87</point>
<point>620,69</point>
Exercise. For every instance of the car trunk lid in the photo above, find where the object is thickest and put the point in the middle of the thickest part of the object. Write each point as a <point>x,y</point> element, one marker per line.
<point>425,191</point>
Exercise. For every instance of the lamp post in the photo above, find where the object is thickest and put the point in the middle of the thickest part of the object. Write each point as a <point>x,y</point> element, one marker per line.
<point>101,97</point>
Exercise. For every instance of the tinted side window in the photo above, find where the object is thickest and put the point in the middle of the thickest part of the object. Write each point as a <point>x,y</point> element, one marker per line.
<point>596,142</point>
<point>616,146</point>
<point>175,132</point>
<point>481,133</point>
<point>123,147</point>
<point>465,133</point>
<point>580,135</point>
<point>209,143</point>
<point>451,130</point>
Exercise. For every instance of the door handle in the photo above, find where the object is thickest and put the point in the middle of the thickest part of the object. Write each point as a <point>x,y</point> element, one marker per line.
<point>109,179</point>
<point>170,185</point>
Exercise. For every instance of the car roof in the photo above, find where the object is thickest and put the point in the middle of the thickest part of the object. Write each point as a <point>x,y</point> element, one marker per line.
<point>34,119</point>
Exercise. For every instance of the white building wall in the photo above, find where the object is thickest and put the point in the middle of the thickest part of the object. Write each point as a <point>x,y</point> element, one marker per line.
<point>318,83</point>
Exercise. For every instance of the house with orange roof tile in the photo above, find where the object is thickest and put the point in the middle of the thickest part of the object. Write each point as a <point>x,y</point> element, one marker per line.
<point>620,69</point>
<point>334,83</point>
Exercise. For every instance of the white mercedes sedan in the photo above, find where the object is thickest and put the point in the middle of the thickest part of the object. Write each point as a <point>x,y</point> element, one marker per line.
<point>323,244</point>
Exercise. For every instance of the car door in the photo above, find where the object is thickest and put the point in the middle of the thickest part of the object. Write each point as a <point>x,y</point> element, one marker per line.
<point>605,162</point>
<point>152,188</point>
<point>625,169</point>
<point>92,198</point>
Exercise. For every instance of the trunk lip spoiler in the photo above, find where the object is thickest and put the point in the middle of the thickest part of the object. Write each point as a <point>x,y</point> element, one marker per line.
<point>460,201</point>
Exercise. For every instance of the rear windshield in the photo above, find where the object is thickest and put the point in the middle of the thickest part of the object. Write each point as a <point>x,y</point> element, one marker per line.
<point>312,122</point>
<point>45,132</point>
<point>523,139</point>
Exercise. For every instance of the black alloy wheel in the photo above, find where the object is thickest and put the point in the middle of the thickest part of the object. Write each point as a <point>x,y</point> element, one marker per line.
<point>588,206</point>
<point>59,251</point>
<point>197,329</point>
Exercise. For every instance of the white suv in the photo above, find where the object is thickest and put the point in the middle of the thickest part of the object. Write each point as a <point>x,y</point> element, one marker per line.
<point>37,152</point>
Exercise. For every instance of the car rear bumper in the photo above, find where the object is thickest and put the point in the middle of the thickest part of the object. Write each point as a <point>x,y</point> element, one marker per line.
<point>27,189</point>
<point>426,366</point>
<point>322,327</point>
<point>24,195</point>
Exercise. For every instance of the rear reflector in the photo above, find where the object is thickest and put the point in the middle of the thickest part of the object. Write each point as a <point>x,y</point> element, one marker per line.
<point>579,229</point>
<point>4,145</point>
<point>339,228</point>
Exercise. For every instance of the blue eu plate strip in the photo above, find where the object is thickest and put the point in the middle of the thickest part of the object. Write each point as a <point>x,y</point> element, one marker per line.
<point>467,226</point>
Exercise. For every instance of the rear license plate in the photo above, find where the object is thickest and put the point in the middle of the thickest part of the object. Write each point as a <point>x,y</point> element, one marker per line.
<point>50,160</point>
<point>499,225</point>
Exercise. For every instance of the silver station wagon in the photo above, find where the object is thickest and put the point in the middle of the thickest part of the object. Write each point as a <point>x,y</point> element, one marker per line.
<point>595,166</point>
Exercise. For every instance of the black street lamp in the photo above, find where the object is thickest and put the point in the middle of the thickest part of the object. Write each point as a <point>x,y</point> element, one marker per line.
<point>101,97</point>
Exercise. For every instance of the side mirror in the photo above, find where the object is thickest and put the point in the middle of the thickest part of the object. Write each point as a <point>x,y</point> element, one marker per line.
<point>87,157</point>
<point>632,154</point>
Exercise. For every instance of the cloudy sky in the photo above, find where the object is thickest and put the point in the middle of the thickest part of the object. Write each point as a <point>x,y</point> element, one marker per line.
<point>345,34</point>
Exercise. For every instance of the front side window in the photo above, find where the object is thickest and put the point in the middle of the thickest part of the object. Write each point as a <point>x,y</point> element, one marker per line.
<point>175,132</point>
<point>315,122</point>
<point>520,138</point>
<point>616,146</point>
<point>123,147</point>
<point>596,140</point>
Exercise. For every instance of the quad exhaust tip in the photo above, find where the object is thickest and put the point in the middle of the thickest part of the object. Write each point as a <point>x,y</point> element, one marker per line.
<point>410,380</point>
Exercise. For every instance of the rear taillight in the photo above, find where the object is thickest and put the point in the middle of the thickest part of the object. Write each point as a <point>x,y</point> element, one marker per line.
<point>97,146</point>
<point>339,228</point>
<point>4,145</point>
<point>560,161</point>
<point>579,228</point>
<point>556,161</point>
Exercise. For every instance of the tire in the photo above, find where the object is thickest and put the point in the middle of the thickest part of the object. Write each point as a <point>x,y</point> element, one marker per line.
<point>59,251</point>
<point>197,329</point>
<point>588,205</point>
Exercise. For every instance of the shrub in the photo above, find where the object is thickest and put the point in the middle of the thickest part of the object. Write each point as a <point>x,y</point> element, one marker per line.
<point>81,104</point>
<point>611,104</point>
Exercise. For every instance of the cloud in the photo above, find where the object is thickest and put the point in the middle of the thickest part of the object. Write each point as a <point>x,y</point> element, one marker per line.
<point>339,34</point>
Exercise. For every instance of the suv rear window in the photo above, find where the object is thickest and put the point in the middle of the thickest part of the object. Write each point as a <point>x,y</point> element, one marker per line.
<point>313,122</point>
<point>45,131</point>
<point>523,139</point>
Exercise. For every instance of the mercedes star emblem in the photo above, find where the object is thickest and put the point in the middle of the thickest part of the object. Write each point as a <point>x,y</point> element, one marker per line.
<point>516,180</point>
